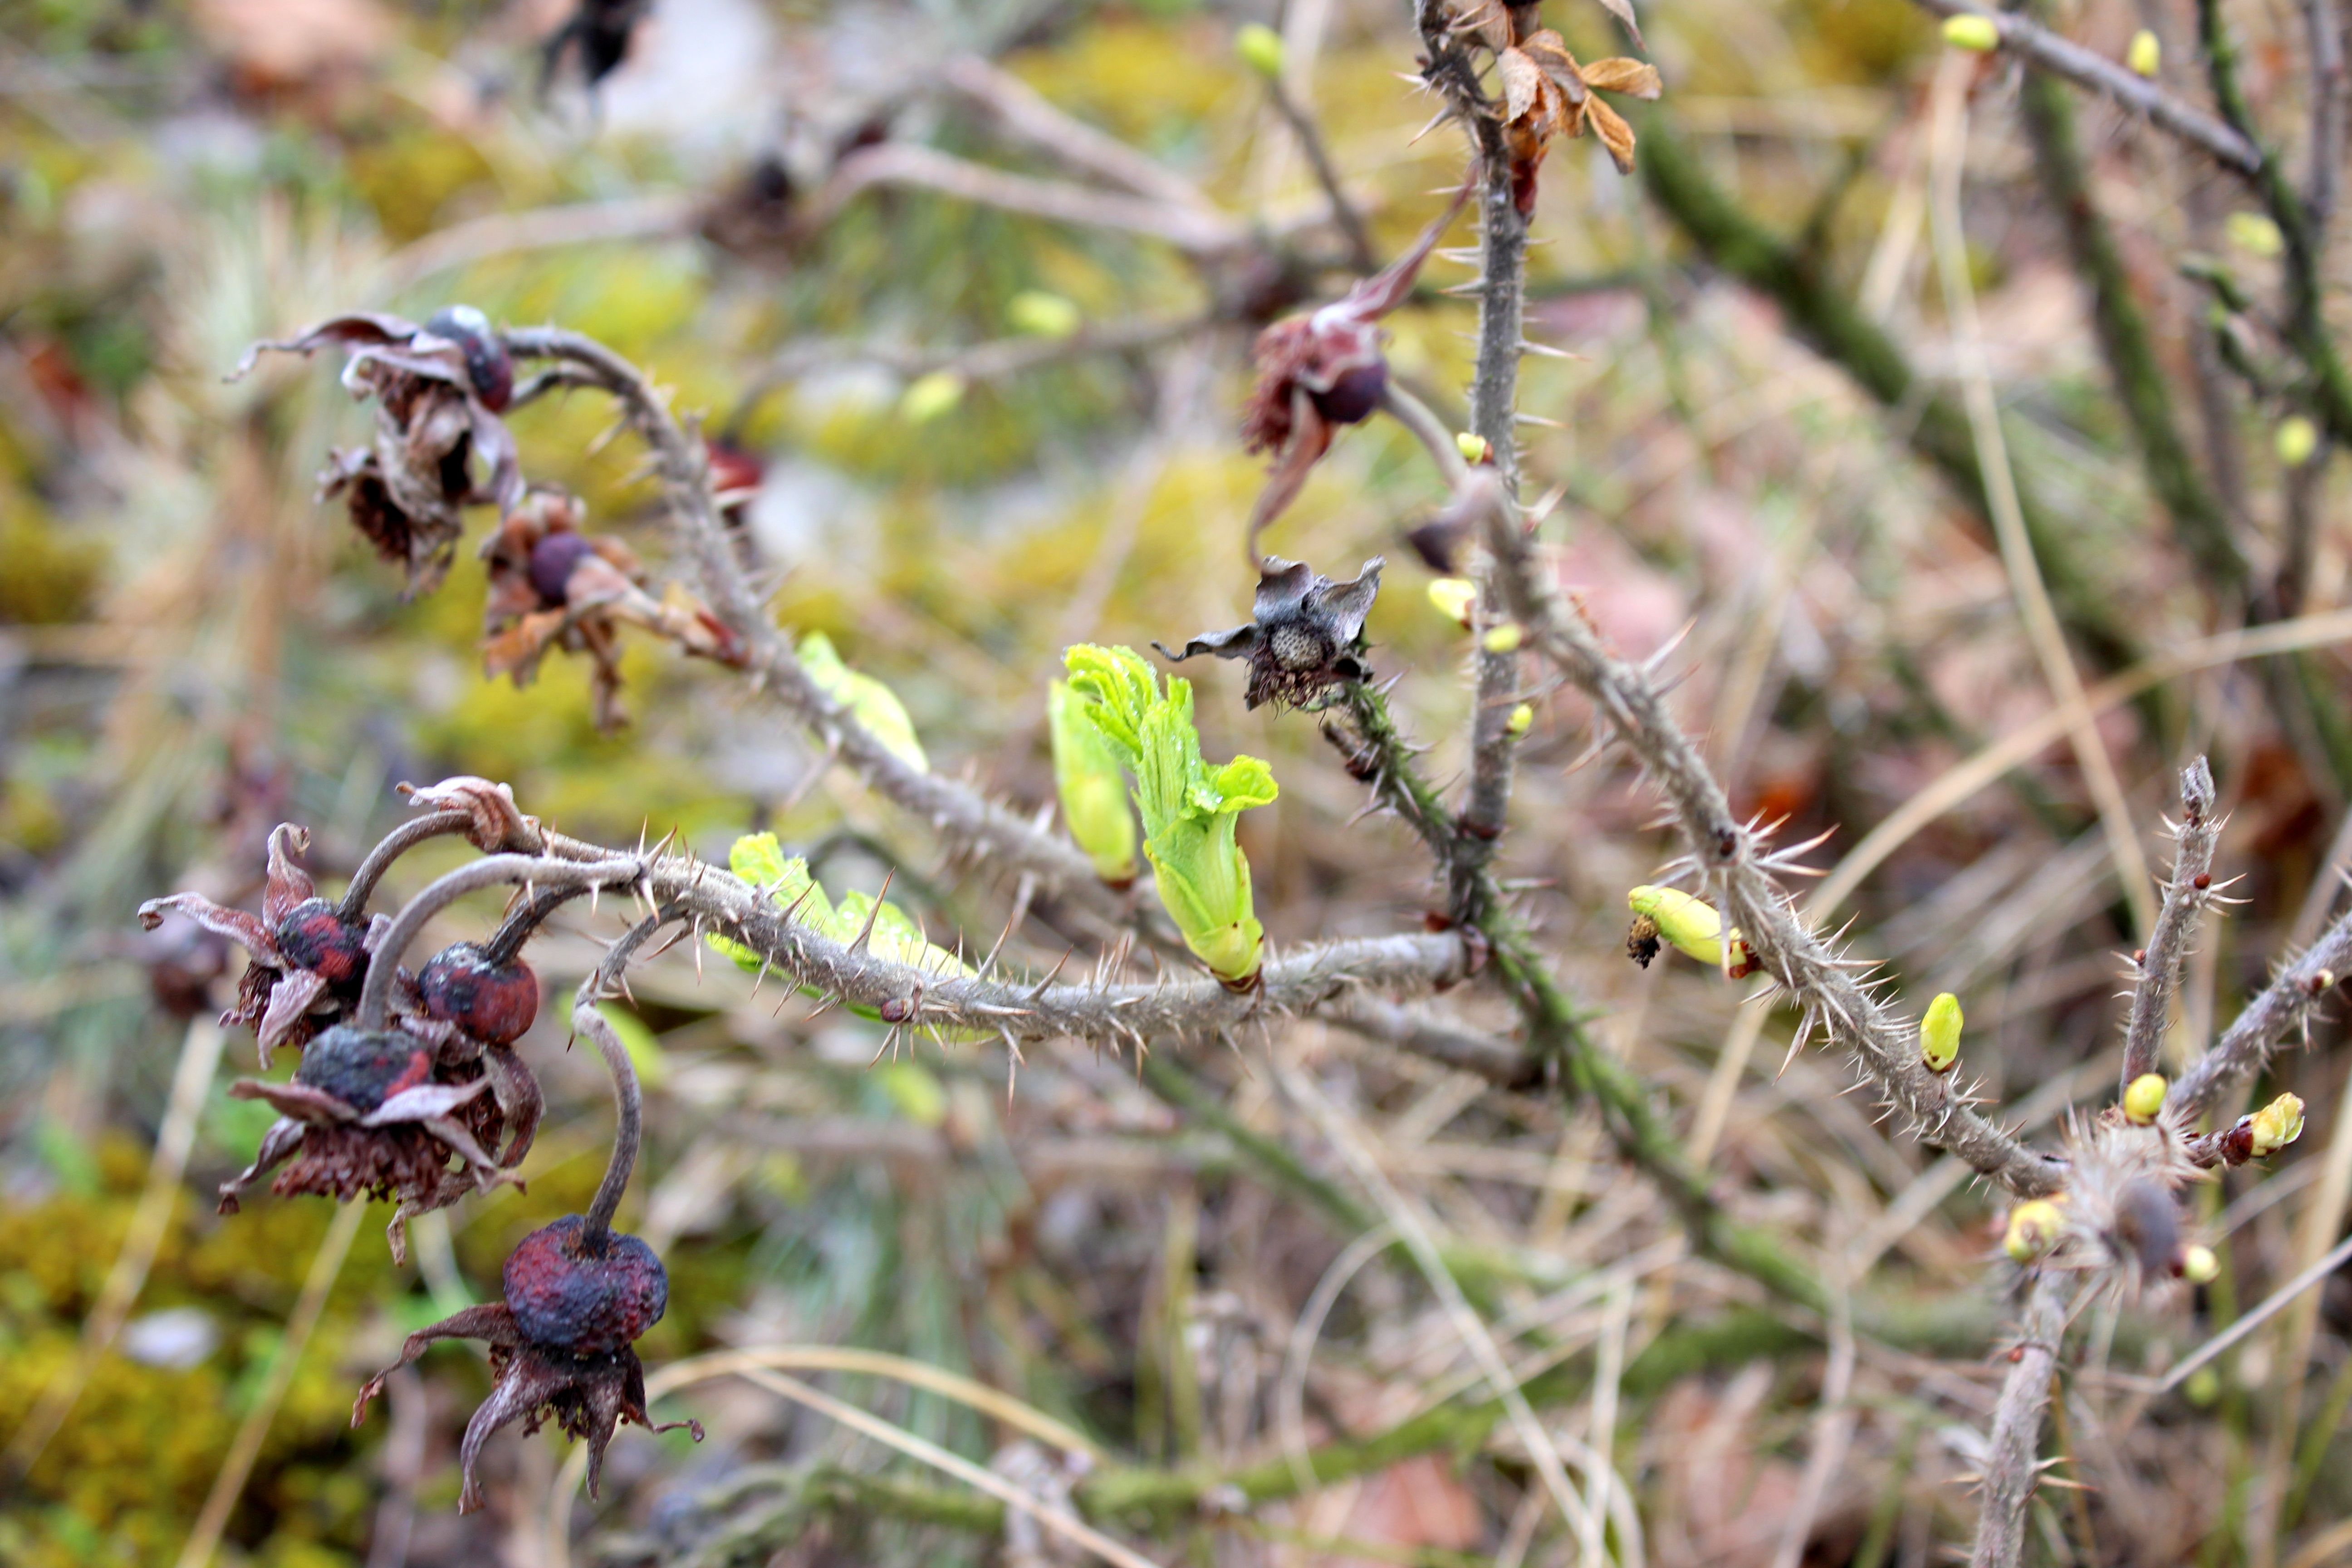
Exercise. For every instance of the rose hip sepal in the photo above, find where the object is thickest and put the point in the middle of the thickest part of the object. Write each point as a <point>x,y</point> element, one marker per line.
<point>366,1113</point>
<point>560,1345</point>
<point>307,963</point>
<point>1307,639</point>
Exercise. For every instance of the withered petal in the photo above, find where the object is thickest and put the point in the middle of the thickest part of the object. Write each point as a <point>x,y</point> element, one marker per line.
<point>1310,437</point>
<point>1615,134</point>
<point>361,327</point>
<point>1344,605</point>
<point>424,1102</point>
<point>288,884</point>
<point>1635,79</point>
<point>245,930</point>
<point>1238,643</point>
<point>298,1100</point>
<point>291,997</point>
<point>499,823</point>
<point>284,1137</point>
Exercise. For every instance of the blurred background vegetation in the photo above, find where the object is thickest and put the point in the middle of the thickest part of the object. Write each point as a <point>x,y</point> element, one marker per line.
<point>191,650</point>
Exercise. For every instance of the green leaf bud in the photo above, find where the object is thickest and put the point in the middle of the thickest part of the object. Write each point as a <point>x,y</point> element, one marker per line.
<point>1522,720</point>
<point>1043,315</point>
<point>2277,1124</point>
<point>1453,596</point>
<point>1474,448</point>
<point>2145,54</point>
<point>1189,808</point>
<point>2034,1228</point>
<point>2198,1266</point>
<point>2144,1098</point>
<point>1976,33</point>
<point>2254,234</point>
<point>1093,789</point>
<point>1504,638</point>
<point>1260,49</point>
<point>871,703</point>
<point>2296,440</point>
<point>1939,1033</point>
<point>1694,926</point>
<point>928,397</point>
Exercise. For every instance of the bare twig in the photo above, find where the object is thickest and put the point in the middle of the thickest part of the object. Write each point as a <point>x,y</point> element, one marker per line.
<point>391,848</point>
<point>2029,40</point>
<point>1351,222</point>
<point>628,1100</point>
<point>2011,1466</point>
<point>1021,109</point>
<point>2185,898</point>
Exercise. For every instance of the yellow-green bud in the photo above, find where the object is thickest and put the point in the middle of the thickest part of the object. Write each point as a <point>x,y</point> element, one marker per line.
<point>2144,1098</point>
<point>2198,1266</point>
<point>1473,448</point>
<point>1522,720</point>
<point>1260,49</point>
<point>2203,1387</point>
<point>1504,638</point>
<point>2296,440</point>
<point>2034,1229</point>
<point>1093,788</point>
<point>1453,596</point>
<point>1939,1033</point>
<point>2277,1124</point>
<point>2254,234</point>
<point>928,396</point>
<point>2145,54</point>
<point>1694,926</point>
<point>1976,33</point>
<point>1042,315</point>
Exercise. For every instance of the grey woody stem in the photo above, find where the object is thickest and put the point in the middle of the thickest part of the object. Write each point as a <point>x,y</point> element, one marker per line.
<point>393,846</point>
<point>2185,898</point>
<point>628,1099</point>
<point>491,871</point>
<point>2011,1466</point>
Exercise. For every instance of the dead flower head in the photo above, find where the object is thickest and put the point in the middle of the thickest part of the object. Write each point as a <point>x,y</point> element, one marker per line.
<point>377,1112</point>
<point>1547,96</point>
<point>560,1344</point>
<point>553,585</point>
<point>440,390</point>
<point>1323,370</point>
<point>1308,637</point>
<point>307,959</point>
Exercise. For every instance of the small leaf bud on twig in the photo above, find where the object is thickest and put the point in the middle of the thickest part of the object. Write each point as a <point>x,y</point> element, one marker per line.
<point>1939,1034</point>
<point>2034,1229</point>
<point>1977,35</point>
<point>2145,1098</point>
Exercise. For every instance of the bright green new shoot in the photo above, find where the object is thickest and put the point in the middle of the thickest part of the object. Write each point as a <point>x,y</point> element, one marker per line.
<point>1189,808</point>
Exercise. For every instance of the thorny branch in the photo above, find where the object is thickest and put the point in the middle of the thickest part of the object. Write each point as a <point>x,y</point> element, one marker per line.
<point>1724,857</point>
<point>2228,145</point>
<point>2010,1463</point>
<point>972,823</point>
<point>2185,899</point>
<point>2285,1006</point>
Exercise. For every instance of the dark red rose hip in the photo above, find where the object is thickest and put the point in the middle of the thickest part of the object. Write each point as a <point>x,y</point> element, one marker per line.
<point>493,1002</point>
<point>551,561</point>
<point>563,1298</point>
<point>364,1067</point>
<point>315,936</point>
<point>1353,395</point>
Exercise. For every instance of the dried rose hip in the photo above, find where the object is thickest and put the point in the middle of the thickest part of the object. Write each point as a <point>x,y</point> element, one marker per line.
<point>315,936</point>
<point>551,561</point>
<point>487,365</point>
<point>564,1298</point>
<point>466,985</point>
<point>364,1067</point>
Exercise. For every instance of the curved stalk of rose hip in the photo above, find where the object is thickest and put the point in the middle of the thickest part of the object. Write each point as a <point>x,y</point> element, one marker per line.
<point>627,1099</point>
<point>506,942</point>
<point>490,871</point>
<point>394,843</point>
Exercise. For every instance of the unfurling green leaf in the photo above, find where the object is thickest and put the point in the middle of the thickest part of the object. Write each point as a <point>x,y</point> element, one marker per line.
<point>1093,788</point>
<point>760,860</point>
<point>873,704</point>
<point>1189,808</point>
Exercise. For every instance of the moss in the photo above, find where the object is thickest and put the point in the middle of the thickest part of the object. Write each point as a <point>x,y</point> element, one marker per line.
<point>52,576</point>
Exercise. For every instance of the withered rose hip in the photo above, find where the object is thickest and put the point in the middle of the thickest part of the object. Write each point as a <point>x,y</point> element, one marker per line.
<point>315,936</point>
<point>563,1298</point>
<point>1352,397</point>
<point>487,365</point>
<point>551,561</point>
<point>364,1067</point>
<point>493,1002</point>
